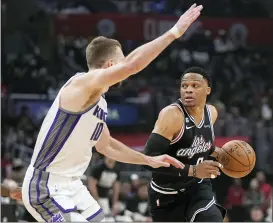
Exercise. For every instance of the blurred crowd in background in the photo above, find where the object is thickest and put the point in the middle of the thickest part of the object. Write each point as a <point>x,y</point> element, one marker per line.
<point>36,63</point>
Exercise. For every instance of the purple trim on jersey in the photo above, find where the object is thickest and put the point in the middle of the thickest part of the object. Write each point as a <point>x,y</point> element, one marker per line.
<point>47,136</point>
<point>82,112</point>
<point>38,195</point>
<point>29,196</point>
<point>94,215</point>
<point>54,141</point>
<point>63,142</point>
<point>61,208</point>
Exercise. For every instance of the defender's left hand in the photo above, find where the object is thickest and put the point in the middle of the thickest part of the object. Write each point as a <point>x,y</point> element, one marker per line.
<point>164,161</point>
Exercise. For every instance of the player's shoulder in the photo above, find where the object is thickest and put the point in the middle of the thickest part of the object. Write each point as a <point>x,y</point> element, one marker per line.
<point>212,108</point>
<point>213,112</point>
<point>78,91</point>
<point>171,114</point>
<point>86,79</point>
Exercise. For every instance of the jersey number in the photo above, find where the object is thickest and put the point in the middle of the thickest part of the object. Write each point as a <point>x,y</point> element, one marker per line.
<point>200,160</point>
<point>97,132</point>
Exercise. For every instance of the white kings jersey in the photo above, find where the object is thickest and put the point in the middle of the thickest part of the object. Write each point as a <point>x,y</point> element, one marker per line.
<point>65,141</point>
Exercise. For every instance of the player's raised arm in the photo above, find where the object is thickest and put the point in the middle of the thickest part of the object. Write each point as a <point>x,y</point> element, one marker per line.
<point>142,56</point>
<point>107,65</point>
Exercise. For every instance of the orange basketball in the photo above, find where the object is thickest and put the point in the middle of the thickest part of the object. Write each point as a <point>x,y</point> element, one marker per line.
<point>238,158</point>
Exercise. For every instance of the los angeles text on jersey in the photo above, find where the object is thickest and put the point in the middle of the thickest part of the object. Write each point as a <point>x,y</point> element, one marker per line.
<point>199,145</point>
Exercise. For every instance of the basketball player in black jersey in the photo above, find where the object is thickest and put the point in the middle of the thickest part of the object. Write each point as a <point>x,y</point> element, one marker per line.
<point>184,130</point>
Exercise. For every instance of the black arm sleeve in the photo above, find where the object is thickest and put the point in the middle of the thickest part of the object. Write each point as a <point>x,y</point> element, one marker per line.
<point>158,145</point>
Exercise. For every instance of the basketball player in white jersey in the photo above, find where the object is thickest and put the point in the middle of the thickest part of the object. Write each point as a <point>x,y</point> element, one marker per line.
<point>52,189</point>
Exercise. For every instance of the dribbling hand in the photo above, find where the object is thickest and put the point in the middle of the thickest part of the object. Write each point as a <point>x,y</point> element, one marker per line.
<point>186,20</point>
<point>163,161</point>
<point>208,169</point>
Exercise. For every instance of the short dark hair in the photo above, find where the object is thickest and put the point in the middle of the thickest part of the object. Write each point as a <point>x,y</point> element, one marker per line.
<point>99,50</point>
<point>198,70</point>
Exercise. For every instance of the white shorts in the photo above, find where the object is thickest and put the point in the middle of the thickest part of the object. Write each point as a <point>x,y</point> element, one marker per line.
<point>52,198</point>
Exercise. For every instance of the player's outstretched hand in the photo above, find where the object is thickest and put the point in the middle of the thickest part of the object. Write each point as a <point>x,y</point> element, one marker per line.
<point>208,169</point>
<point>164,161</point>
<point>16,193</point>
<point>186,20</point>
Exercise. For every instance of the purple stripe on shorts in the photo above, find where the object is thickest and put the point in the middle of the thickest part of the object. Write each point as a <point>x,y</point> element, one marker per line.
<point>29,195</point>
<point>61,208</point>
<point>38,195</point>
<point>94,215</point>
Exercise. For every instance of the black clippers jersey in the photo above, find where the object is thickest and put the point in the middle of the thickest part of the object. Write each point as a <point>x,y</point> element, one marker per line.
<point>191,146</point>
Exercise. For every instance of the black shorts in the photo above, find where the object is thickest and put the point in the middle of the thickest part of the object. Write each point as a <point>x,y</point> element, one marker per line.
<point>195,203</point>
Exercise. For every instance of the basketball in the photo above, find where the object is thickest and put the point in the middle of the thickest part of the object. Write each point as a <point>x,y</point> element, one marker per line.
<point>238,158</point>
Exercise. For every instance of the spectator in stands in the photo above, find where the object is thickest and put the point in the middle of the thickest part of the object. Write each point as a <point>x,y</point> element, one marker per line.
<point>265,189</point>
<point>253,194</point>
<point>236,194</point>
<point>136,205</point>
<point>125,192</point>
<point>9,137</point>
<point>24,120</point>
<point>18,171</point>
<point>143,201</point>
<point>135,182</point>
<point>104,178</point>
<point>256,215</point>
<point>236,124</point>
<point>235,200</point>
<point>222,43</point>
<point>269,213</point>
<point>138,202</point>
<point>219,126</point>
<point>6,166</point>
<point>266,111</point>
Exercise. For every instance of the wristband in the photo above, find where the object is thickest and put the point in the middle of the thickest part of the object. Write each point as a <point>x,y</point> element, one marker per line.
<point>175,32</point>
<point>194,171</point>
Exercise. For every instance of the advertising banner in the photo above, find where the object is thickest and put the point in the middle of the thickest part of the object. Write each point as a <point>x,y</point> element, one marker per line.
<point>122,114</point>
<point>148,27</point>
